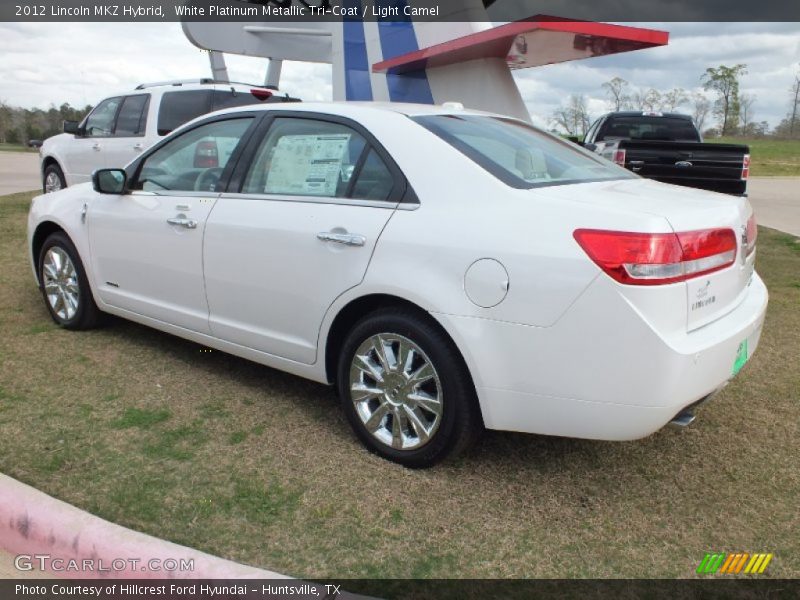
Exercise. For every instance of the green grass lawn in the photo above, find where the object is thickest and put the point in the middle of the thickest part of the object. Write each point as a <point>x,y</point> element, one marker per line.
<point>254,465</point>
<point>769,156</point>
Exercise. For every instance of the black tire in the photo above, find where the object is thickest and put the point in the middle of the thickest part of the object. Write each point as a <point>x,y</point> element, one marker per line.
<point>460,421</point>
<point>86,315</point>
<point>53,170</point>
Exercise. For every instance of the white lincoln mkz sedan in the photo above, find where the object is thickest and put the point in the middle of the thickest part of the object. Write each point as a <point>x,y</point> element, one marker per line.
<point>446,269</point>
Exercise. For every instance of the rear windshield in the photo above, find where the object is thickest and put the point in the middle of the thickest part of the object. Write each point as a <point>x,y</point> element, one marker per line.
<point>666,129</point>
<point>518,154</point>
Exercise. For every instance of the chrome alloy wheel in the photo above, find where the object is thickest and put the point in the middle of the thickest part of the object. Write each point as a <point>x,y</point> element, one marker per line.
<point>396,391</point>
<point>60,283</point>
<point>52,183</point>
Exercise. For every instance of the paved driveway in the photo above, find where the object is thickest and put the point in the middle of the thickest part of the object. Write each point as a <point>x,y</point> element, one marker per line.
<point>19,172</point>
<point>776,201</point>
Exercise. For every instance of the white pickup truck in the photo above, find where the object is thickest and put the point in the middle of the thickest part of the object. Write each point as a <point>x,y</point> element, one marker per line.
<point>121,126</point>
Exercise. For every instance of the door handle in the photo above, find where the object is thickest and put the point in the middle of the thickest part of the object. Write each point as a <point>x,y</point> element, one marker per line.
<point>138,147</point>
<point>348,239</point>
<point>96,147</point>
<point>183,222</point>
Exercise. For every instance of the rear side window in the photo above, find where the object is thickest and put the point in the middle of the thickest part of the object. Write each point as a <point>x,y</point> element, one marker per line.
<point>132,117</point>
<point>649,128</point>
<point>181,107</point>
<point>374,181</point>
<point>306,157</point>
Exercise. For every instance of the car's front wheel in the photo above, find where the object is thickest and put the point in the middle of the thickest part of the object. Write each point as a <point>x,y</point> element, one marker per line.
<point>406,390</point>
<point>53,180</point>
<point>65,288</point>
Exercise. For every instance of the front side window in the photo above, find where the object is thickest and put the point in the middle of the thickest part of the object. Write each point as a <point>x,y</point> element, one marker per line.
<point>308,157</point>
<point>132,116</point>
<point>100,123</point>
<point>519,154</point>
<point>193,161</point>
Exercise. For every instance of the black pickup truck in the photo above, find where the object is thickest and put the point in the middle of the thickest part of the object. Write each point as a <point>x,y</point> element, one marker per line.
<point>668,147</point>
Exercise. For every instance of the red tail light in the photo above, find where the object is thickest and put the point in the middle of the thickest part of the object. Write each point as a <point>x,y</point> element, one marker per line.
<point>746,166</point>
<point>619,157</point>
<point>261,94</point>
<point>752,234</point>
<point>206,155</point>
<point>658,258</point>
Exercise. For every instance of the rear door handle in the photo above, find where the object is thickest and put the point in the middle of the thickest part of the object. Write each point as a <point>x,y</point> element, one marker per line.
<point>183,222</point>
<point>138,147</point>
<point>348,239</point>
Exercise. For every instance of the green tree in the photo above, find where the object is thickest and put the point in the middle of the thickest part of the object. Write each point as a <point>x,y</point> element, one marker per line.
<point>616,90</point>
<point>646,100</point>
<point>5,121</point>
<point>746,113</point>
<point>674,98</point>
<point>700,108</point>
<point>573,117</point>
<point>724,81</point>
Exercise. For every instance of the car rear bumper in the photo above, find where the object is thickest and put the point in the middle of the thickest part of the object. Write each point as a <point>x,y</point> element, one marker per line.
<point>601,373</point>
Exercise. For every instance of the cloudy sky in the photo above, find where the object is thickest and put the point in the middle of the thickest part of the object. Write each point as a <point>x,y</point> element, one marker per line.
<point>80,63</point>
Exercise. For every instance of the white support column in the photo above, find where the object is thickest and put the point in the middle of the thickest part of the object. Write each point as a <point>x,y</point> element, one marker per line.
<point>219,70</point>
<point>273,78</point>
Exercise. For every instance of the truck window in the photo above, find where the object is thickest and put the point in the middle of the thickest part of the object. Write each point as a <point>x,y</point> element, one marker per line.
<point>100,122</point>
<point>232,98</point>
<point>132,116</point>
<point>666,129</point>
<point>178,108</point>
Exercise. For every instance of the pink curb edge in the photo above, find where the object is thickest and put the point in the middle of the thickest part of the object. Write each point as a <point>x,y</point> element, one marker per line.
<point>33,523</point>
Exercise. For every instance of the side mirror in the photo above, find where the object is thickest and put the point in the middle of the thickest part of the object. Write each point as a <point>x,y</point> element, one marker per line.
<point>110,181</point>
<point>590,147</point>
<point>72,127</point>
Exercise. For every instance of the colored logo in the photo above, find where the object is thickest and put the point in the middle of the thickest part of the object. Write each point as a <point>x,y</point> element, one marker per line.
<point>733,563</point>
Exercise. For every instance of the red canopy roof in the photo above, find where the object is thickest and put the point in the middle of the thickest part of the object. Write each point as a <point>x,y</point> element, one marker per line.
<point>537,41</point>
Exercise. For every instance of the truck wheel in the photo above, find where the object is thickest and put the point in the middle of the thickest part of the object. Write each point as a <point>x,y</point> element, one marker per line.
<point>53,179</point>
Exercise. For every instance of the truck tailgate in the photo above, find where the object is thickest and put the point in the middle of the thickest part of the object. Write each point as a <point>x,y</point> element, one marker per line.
<point>715,167</point>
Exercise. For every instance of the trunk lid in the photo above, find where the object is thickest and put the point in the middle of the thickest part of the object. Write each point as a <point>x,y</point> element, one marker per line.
<point>707,297</point>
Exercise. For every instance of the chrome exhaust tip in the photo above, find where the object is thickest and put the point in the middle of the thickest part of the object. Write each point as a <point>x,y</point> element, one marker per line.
<point>686,417</point>
<point>683,419</point>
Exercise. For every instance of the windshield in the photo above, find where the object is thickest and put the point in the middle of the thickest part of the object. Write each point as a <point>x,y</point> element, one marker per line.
<point>518,154</point>
<point>665,129</point>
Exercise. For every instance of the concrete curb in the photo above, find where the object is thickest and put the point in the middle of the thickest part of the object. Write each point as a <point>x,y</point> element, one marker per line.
<point>33,523</point>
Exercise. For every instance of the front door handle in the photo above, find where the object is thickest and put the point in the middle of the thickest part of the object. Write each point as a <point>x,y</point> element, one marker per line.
<point>96,147</point>
<point>183,222</point>
<point>138,147</point>
<point>348,239</point>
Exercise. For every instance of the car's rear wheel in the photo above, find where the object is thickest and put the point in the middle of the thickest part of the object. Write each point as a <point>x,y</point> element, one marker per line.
<point>53,179</point>
<point>65,288</point>
<point>406,390</point>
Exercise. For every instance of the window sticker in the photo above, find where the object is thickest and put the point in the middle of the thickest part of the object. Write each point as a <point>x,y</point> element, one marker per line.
<point>307,164</point>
